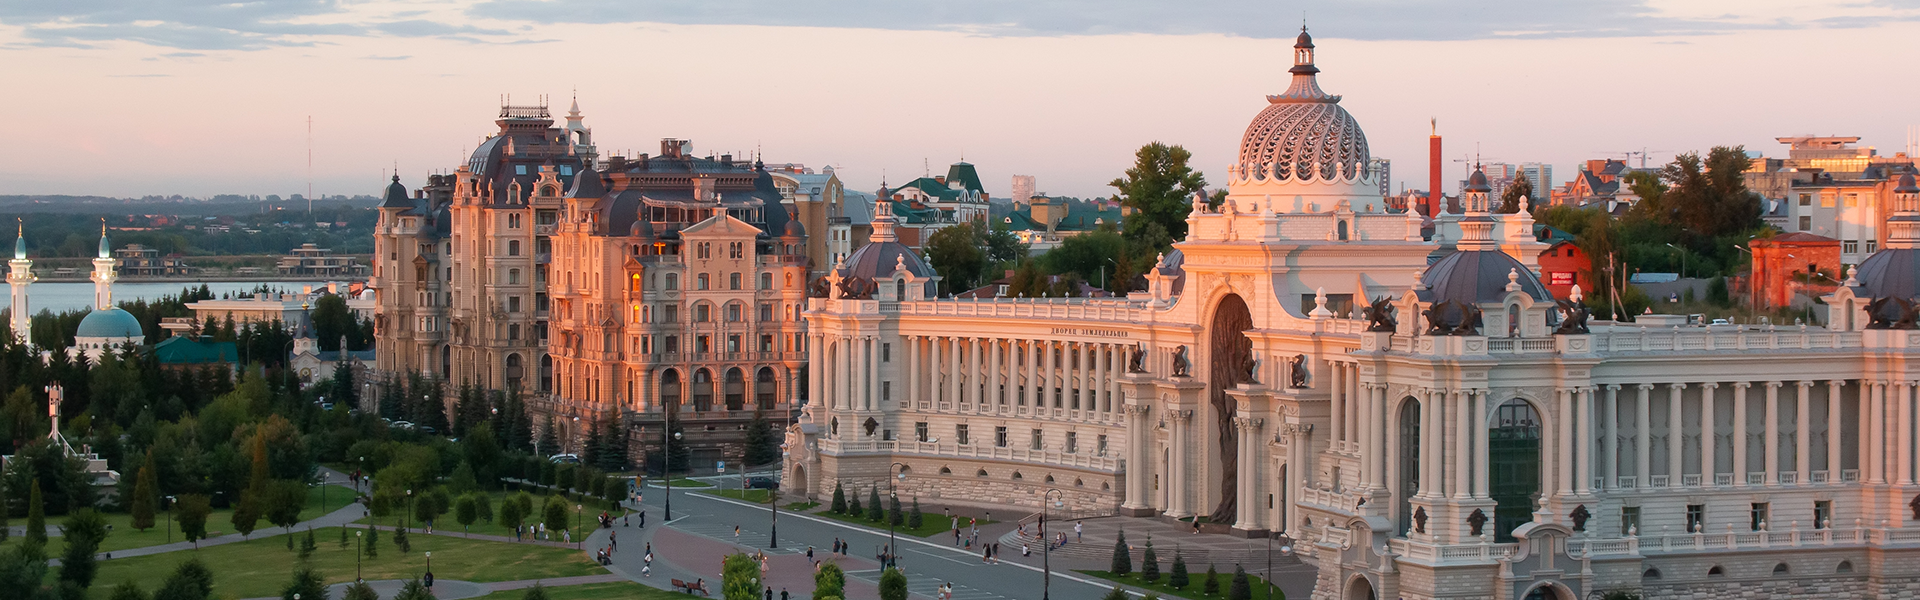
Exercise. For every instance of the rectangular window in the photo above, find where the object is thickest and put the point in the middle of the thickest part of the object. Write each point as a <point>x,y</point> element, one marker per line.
<point>1822,514</point>
<point>886,391</point>
<point>513,304</point>
<point>1000,437</point>
<point>1849,247</point>
<point>1806,223</point>
<point>1100,445</point>
<point>766,312</point>
<point>1826,200</point>
<point>960,434</point>
<point>1696,517</point>
<point>519,169</point>
<point>1853,200</point>
<point>1806,199</point>
<point>566,170</point>
<point>733,281</point>
<point>702,313</point>
<point>733,313</point>
<point>1870,245</point>
<point>886,352</point>
<point>920,431</point>
<point>672,314</point>
<point>766,281</point>
<point>1629,520</point>
<point>1757,516</point>
<point>702,344</point>
<point>672,345</point>
<point>702,282</point>
<point>733,343</point>
<point>1073,442</point>
<point>766,342</point>
<point>1037,442</point>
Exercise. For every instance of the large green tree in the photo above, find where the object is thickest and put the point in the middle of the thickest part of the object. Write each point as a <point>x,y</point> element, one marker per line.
<point>1520,190</point>
<point>1159,188</point>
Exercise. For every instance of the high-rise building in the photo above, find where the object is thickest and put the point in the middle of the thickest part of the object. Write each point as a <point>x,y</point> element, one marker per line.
<point>1540,176</point>
<point>1383,171</point>
<point>1023,188</point>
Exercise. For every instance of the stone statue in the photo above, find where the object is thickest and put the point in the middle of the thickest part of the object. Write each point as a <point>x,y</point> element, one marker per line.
<point>820,288</point>
<point>1469,321</point>
<point>1573,318</point>
<point>1250,368</point>
<point>1915,505</point>
<point>1476,521</point>
<point>1181,366</point>
<point>1580,516</point>
<point>1893,312</point>
<point>856,288</point>
<point>1420,519</point>
<point>1448,317</point>
<point>1137,360</point>
<point>1299,370</point>
<point>1380,316</point>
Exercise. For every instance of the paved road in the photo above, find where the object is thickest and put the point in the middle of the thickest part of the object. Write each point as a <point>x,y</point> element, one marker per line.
<point>928,563</point>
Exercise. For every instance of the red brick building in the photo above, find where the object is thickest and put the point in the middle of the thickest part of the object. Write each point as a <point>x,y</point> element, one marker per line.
<point>1564,265</point>
<point>1792,263</point>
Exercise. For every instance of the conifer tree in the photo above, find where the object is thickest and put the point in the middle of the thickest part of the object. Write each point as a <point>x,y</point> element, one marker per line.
<point>1242,589</point>
<point>1178,580</point>
<point>873,505</point>
<point>839,505</point>
<point>372,546</point>
<point>1122,557</point>
<point>853,505</point>
<point>1211,585</point>
<point>36,516</point>
<point>913,519</point>
<point>1149,564</point>
<point>894,516</point>
<point>145,495</point>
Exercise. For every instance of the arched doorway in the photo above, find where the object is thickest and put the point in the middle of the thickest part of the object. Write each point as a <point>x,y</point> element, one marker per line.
<point>1513,466</point>
<point>702,390</point>
<point>796,482</point>
<point>670,390</point>
<point>514,371</point>
<point>1544,591</point>
<point>1229,352</point>
<point>736,389</point>
<point>1360,589</point>
<point>1409,463</point>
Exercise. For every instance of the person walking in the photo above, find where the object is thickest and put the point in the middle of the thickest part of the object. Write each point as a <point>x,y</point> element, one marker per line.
<point>736,534</point>
<point>809,553</point>
<point>613,542</point>
<point>643,519</point>
<point>996,553</point>
<point>1078,529</point>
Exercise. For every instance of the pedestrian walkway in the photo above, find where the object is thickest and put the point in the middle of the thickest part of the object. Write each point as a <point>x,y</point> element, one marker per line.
<point>926,586</point>
<point>452,589</point>
<point>1096,543</point>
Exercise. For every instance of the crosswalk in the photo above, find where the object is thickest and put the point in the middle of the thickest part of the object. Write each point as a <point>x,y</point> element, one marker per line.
<point>927,586</point>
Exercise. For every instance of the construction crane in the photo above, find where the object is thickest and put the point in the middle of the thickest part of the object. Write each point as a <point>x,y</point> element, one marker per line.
<point>1629,154</point>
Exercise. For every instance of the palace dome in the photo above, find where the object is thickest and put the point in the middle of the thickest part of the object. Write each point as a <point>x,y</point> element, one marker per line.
<point>1894,271</point>
<point>1476,276</point>
<point>1303,134</point>
<point>109,323</point>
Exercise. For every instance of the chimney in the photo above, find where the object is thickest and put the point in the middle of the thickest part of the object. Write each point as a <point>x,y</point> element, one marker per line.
<point>1434,199</point>
<point>941,179</point>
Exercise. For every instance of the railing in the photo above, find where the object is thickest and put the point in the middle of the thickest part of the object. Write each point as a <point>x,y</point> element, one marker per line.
<point>1692,480</point>
<point>1757,478</point>
<point>545,229</point>
<point>977,451</point>
<point>1817,477</point>
<point>1628,482</point>
<point>1789,477</point>
<point>1658,481</point>
<point>1649,339</point>
<point>1723,479</point>
<point>1075,309</point>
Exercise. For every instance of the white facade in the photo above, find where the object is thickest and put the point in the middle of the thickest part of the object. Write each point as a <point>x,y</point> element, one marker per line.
<point>1474,442</point>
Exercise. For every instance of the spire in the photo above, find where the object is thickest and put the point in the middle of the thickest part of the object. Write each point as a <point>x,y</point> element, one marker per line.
<point>574,111</point>
<point>1304,87</point>
<point>20,239</point>
<point>882,221</point>
<point>104,252</point>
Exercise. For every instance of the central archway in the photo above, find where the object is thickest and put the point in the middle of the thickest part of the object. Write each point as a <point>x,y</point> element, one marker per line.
<point>1513,466</point>
<point>1229,351</point>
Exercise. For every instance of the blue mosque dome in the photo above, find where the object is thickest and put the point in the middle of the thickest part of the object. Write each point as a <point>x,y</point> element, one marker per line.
<point>110,323</point>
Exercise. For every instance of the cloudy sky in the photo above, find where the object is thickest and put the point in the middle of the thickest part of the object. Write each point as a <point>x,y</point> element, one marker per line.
<point>198,97</point>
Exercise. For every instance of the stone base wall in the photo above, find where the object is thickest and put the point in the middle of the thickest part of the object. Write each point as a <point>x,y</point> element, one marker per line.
<point>1083,492</point>
<point>1810,588</point>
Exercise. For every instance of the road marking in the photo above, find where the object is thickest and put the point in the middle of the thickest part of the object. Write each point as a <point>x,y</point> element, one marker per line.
<point>964,563</point>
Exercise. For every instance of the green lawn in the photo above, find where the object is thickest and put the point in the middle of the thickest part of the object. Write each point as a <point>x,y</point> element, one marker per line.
<point>686,483</point>
<point>931,524</point>
<point>584,520</point>
<point>262,566</point>
<point>760,496</point>
<point>123,536</point>
<point>623,590</point>
<point>1193,586</point>
<point>799,506</point>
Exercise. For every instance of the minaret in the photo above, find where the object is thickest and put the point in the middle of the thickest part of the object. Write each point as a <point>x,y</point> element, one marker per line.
<point>103,273</point>
<point>19,278</point>
<point>882,222</point>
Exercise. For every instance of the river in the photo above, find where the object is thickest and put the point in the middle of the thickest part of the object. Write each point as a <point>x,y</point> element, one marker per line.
<point>59,297</point>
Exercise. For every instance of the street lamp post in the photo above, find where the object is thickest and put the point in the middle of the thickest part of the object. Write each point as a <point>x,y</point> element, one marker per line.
<point>1046,556</point>
<point>666,463</point>
<point>1285,550</point>
<point>359,550</point>
<point>773,506</point>
<point>893,543</point>
<point>170,500</point>
<point>408,517</point>
<point>578,525</point>
<point>430,570</point>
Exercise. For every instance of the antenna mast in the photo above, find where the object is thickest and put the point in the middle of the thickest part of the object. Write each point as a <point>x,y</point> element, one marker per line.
<point>309,167</point>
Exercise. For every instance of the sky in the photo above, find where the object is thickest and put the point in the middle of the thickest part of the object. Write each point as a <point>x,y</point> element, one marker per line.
<point>203,97</point>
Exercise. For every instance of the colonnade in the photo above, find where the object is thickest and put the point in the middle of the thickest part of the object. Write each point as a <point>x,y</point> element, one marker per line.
<point>1786,455</point>
<point>644,391</point>
<point>967,373</point>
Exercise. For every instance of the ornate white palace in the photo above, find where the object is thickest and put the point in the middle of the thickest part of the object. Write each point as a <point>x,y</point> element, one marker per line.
<point>1422,429</point>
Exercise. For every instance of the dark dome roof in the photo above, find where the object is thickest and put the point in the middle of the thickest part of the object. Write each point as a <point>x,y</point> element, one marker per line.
<point>1891,272</point>
<point>1478,182</point>
<point>794,229</point>
<point>642,227</point>
<point>1475,276</point>
<point>1906,185</point>
<point>396,196</point>
<point>1304,41</point>
<point>877,260</point>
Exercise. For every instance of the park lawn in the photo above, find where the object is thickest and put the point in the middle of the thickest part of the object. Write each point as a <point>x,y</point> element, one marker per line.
<point>262,566</point>
<point>687,483</point>
<point>760,496</point>
<point>122,535</point>
<point>801,506</point>
<point>930,524</point>
<point>1194,585</point>
<point>580,521</point>
<point>620,590</point>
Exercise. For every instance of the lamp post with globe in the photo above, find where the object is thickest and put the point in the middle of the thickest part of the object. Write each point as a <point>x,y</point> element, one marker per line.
<point>1046,556</point>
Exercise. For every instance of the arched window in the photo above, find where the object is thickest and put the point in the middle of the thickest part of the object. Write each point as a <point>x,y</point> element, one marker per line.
<point>980,473</point>
<point>1846,566</point>
<point>673,281</point>
<point>764,389</point>
<point>1650,574</point>
<point>736,389</point>
<point>1781,569</point>
<point>946,471</point>
<point>702,390</point>
<point>670,389</point>
<point>766,281</point>
<point>1716,571</point>
<point>1017,476</point>
<point>789,280</point>
<point>514,371</point>
<point>546,372</point>
<point>513,276</point>
<point>513,247</point>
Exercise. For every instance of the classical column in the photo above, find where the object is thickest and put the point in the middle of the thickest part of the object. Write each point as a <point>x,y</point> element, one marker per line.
<point>816,356</point>
<point>872,347</point>
<point>1609,439</point>
<point>1083,362</point>
<point>1773,433</point>
<point>1370,452</point>
<point>1563,441</point>
<point>1740,432</point>
<point>913,369</point>
<point>990,373</point>
<point>1643,437</point>
<point>1903,391</point>
<point>1353,417</point>
<point>1247,471</point>
<point>1100,400</point>
<point>1337,404</point>
<point>1481,460</point>
<point>1708,465</point>
<point>1177,473</point>
<point>1139,458</point>
<point>1430,448</point>
<point>954,351</point>
<point>973,372</point>
<point>1875,413</point>
<point>1463,465</point>
<point>1833,430</point>
<point>1676,434</point>
<point>1803,435</point>
<point>1583,467</point>
<point>1033,374</point>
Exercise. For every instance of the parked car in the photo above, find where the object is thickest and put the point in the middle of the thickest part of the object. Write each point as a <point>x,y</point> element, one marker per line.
<point>762,483</point>
<point>565,458</point>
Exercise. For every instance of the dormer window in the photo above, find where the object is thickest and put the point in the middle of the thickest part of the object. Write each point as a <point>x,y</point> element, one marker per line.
<point>519,169</point>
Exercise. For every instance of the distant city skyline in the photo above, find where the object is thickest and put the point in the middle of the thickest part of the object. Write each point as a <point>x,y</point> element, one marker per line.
<point>130,99</point>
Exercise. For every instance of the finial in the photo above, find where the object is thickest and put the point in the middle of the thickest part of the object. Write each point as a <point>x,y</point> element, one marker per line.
<point>1513,280</point>
<point>1575,295</point>
<point>1418,284</point>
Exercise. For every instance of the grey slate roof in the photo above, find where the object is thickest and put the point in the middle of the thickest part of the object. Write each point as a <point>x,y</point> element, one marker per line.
<point>1475,276</point>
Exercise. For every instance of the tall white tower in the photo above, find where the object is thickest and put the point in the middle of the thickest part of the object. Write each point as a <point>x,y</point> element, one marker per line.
<point>19,278</point>
<point>103,273</point>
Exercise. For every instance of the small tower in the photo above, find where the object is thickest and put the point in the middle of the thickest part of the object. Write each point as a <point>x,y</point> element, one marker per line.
<point>1476,227</point>
<point>19,278</point>
<point>1904,226</point>
<point>104,273</point>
